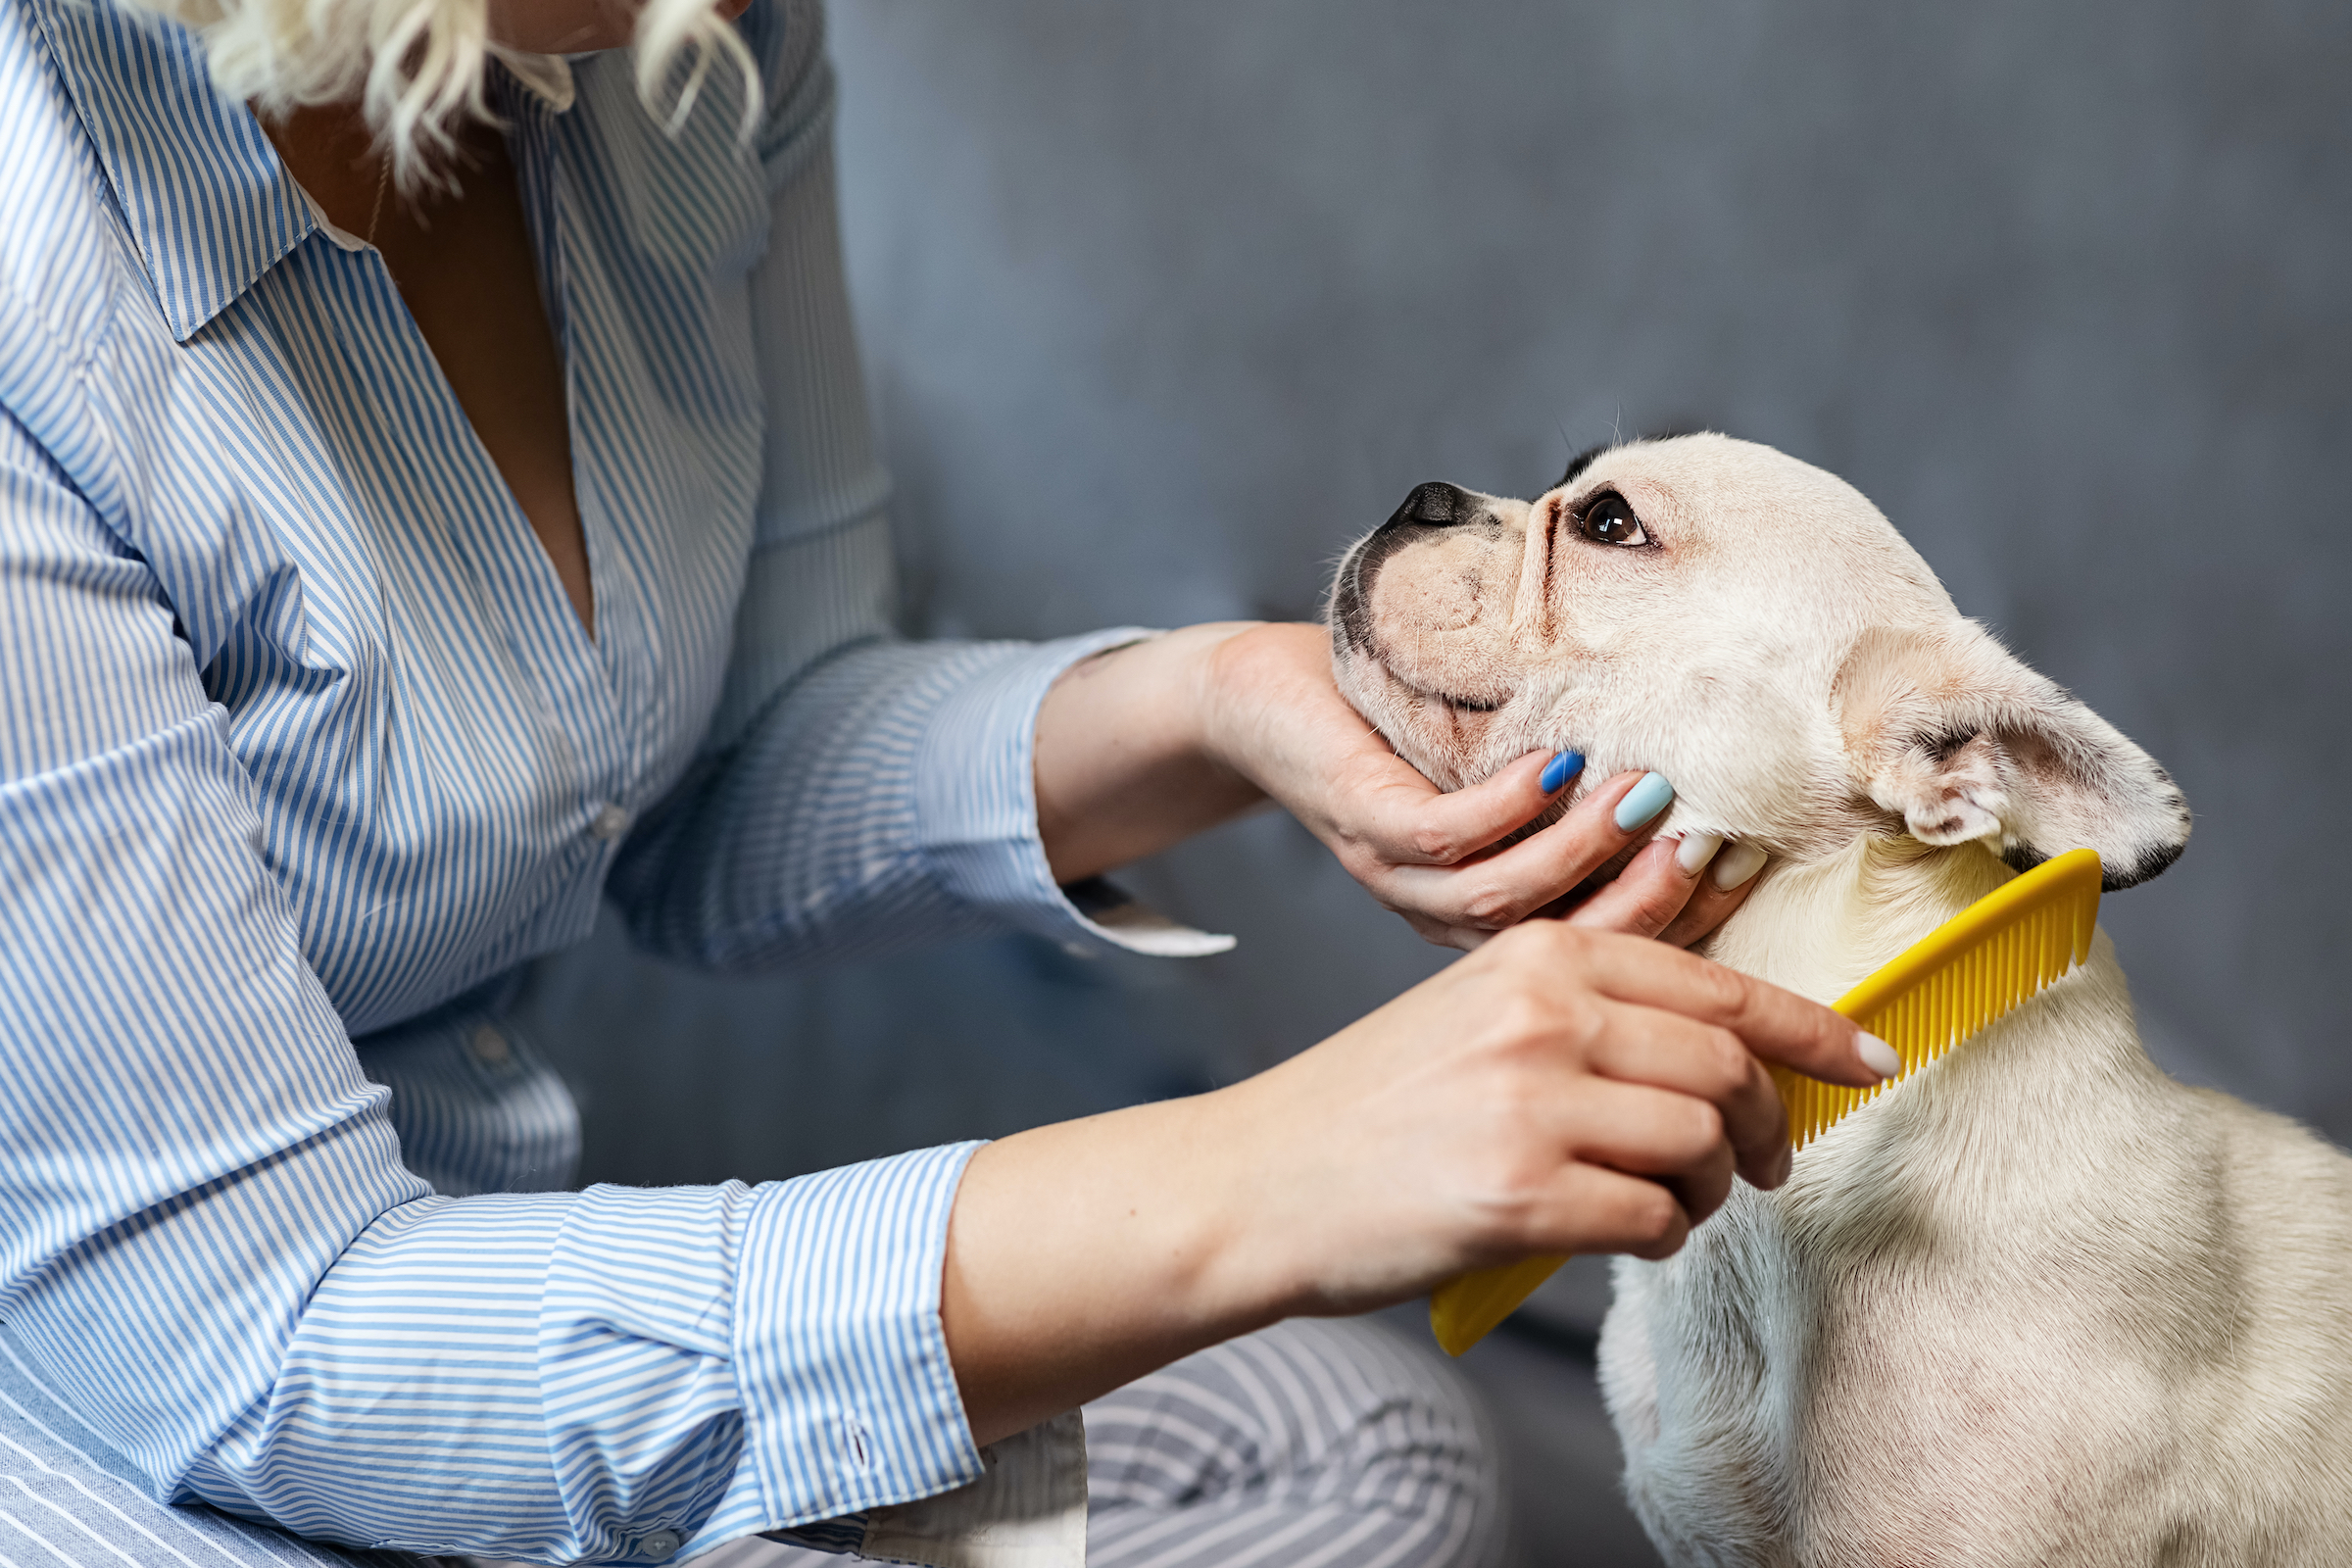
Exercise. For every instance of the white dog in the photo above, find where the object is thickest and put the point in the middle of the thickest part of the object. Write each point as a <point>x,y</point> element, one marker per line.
<point>2039,1303</point>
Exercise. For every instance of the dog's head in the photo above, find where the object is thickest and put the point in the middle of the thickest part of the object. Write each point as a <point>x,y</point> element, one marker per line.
<point>1753,629</point>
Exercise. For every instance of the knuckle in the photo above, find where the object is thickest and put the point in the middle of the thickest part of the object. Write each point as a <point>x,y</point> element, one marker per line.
<point>1555,944</point>
<point>1508,1180</point>
<point>1491,907</point>
<point>1723,992</point>
<point>1584,1025</point>
<point>1703,1130</point>
<point>1518,1018</point>
<point>1685,931</point>
<point>1653,1220</point>
<point>1727,1061</point>
<point>1522,943</point>
<point>1432,844</point>
<point>1655,908</point>
<point>1525,947</point>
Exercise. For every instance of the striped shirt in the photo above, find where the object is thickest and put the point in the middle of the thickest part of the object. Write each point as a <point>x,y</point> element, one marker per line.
<point>303,751</point>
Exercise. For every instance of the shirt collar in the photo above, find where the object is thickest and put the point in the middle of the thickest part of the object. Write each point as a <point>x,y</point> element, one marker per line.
<point>209,203</point>
<point>545,78</point>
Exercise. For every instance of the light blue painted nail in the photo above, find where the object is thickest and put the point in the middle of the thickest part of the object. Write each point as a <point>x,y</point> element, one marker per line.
<point>1643,802</point>
<point>1559,770</point>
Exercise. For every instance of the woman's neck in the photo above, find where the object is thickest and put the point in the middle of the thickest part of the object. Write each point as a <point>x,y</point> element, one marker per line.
<point>460,256</point>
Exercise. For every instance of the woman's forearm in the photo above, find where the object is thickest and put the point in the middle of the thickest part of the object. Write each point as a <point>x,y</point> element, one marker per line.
<point>1084,1256</point>
<point>1123,769</point>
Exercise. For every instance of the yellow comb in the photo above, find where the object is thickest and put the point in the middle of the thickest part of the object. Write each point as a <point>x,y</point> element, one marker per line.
<point>1962,978</point>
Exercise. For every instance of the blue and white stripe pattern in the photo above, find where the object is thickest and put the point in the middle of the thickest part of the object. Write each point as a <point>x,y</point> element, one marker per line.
<point>303,750</point>
<point>1311,1445</point>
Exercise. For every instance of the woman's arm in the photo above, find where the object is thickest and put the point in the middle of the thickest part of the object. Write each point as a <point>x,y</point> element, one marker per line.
<point>1558,1091</point>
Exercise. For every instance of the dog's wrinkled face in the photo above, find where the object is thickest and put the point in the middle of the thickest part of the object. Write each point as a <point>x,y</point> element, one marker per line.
<point>1745,624</point>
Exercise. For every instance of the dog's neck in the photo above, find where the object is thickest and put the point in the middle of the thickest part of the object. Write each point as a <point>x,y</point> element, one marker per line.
<point>1817,927</point>
<point>1820,927</point>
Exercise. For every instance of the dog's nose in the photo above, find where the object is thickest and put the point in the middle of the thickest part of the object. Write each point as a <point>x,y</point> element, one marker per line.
<point>1435,504</point>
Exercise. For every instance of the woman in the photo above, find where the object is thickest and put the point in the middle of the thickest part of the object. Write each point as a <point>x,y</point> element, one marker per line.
<point>414,528</point>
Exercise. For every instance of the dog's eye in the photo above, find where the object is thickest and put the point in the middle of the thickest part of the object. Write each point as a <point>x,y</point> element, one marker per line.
<point>1610,521</point>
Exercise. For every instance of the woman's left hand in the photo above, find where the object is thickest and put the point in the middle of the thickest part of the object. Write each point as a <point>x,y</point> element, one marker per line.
<point>1155,741</point>
<point>1280,720</point>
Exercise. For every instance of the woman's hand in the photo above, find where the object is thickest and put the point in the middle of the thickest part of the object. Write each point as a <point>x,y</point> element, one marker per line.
<point>1278,720</point>
<point>1148,744</point>
<point>1558,1091</point>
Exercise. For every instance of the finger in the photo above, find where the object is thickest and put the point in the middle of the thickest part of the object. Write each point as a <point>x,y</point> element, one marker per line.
<point>1593,1209</point>
<point>1674,1138</point>
<point>1703,1063</point>
<point>1777,1026</point>
<point>1712,901</point>
<point>1412,824</point>
<point>1505,888</point>
<point>1290,731</point>
<point>1643,899</point>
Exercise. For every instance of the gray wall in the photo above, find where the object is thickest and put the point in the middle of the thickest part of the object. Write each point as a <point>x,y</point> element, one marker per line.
<point>1164,301</point>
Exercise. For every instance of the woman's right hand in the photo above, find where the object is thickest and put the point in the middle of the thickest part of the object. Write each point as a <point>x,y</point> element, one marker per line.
<point>1560,1090</point>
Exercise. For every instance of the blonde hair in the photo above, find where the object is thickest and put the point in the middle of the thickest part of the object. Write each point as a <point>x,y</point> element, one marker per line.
<point>419,65</point>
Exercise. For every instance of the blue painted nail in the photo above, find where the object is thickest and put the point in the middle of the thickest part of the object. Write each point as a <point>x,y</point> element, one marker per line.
<point>1643,802</point>
<point>1559,770</point>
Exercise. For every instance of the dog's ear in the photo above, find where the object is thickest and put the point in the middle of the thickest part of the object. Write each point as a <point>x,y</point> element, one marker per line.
<point>1946,728</point>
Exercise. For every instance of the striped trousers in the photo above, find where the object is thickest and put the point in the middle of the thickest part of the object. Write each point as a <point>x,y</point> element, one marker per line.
<point>1312,1445</point>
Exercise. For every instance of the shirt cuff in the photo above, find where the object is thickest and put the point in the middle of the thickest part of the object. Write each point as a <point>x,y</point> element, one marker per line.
<point>849,1400</point>
<point>975,806</point>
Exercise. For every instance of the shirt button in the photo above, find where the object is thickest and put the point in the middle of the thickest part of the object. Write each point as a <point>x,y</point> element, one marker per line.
<point>488,1046</point>
<point>661,1545</point>
<point>610,823</point>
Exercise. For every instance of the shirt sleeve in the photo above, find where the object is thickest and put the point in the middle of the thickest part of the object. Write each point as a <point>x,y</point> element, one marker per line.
<point>858,792</point>
<point>210,1250</point>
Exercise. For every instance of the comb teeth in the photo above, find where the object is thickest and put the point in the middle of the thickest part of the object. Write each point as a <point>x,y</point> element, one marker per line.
<point>1965,976</point>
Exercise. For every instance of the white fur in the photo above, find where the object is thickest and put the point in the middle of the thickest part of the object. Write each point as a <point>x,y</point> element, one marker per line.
<point>2040,1304</point>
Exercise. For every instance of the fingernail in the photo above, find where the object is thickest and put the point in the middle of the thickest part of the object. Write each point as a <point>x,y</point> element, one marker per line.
<point>1643,802</point>
<point>1559,770</point>
<point>1737,864</point>
<point>1695,850</point>
<point>1876,1054</point>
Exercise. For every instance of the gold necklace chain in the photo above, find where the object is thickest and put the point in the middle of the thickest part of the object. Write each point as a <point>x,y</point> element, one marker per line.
<point>383,181</point>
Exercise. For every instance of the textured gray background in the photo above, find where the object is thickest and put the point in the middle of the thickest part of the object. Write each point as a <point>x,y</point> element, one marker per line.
<point>1164,302</point>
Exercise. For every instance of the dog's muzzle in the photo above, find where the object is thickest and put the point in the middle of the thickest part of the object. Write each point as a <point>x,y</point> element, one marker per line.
<point>1435,504</point>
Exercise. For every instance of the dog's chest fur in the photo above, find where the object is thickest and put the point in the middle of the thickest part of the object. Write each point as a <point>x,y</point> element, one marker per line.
<point>2040,1304</point>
